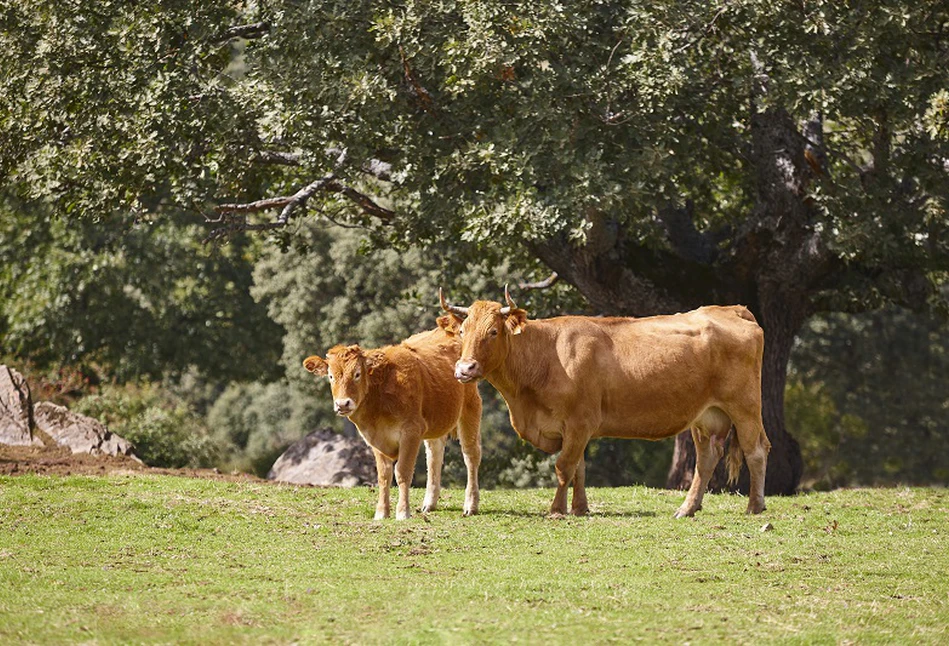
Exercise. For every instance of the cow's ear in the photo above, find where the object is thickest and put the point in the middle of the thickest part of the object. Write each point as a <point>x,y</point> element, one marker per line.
<point>374,360</point>
<point>516,320</point>
<point>450,323</point>
<point>316,365</point>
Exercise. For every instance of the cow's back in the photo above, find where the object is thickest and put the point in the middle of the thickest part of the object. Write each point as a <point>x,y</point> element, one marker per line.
<point>646,377</point>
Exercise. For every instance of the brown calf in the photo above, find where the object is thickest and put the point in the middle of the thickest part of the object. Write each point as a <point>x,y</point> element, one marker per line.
<point>400,395</point>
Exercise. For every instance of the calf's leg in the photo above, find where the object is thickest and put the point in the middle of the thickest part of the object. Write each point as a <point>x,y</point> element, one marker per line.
<point>434,459</point>
<point>404,470</point>
<point>384,478</point>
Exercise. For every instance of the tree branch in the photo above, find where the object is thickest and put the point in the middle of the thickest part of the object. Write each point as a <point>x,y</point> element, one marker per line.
<point>543,284</point>
<point>249,31</point>
<point>233,217</point>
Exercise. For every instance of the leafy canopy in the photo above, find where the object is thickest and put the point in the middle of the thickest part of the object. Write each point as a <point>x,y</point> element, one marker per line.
<point>490,121</point>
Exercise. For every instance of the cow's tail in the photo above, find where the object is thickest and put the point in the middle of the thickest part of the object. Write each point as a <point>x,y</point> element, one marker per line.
<point>734,459</point>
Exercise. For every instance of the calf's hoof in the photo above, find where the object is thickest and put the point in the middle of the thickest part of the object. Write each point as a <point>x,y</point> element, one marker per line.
<point>380,515</point>
<point>402,515</point>
<point>684,513</point>
<point>755,509</point>
<point>427,508</point>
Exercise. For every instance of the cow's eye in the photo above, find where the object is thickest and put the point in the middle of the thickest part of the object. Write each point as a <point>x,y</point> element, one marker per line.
<point>356,375</point>
<point>494,331</point>
<point>331,378</point>
<point>461,333</point>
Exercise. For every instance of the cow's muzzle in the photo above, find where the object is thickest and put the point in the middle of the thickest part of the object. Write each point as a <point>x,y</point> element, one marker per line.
<point>344,407</point>
<point>466,371</point>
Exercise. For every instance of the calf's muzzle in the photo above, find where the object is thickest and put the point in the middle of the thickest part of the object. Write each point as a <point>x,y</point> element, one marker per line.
<point>344,407</point>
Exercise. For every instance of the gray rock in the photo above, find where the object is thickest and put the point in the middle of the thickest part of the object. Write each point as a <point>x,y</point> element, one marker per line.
<point>326,458</point>
<point>16,410</point>
<point>79,433</point>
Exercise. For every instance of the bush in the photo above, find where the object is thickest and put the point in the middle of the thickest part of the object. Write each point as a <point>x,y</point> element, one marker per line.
<point>254,423</point>
<point>165,431</point>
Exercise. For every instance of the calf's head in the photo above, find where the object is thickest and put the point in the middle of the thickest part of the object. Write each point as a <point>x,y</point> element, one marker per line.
<point>485,329</point>
<point>348,369</point>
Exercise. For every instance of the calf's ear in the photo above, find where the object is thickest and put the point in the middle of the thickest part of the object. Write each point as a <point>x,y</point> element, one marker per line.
<point>516,320</point>
<point>450,323</point>
<point>316,365</point>
<point>374,360</point>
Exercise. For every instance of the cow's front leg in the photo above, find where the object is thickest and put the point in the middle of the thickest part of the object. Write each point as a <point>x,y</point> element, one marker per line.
<point>404,469</point>
<point>434,459</point>
<point>469,433</point>
<point>384,479</point>
<point>578,506</point>
<point>566,468</point>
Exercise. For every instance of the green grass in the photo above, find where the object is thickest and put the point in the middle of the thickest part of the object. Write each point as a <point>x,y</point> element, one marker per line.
<point>161,559</point>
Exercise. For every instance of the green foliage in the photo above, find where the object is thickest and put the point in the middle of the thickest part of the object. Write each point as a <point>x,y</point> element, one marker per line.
<point>160,559</point>
<point>501,121</point>
<point>254,423</point>
<point>163,428</point>
<point>821,429</point>
<point>868,399</point>
<point>135,300</point>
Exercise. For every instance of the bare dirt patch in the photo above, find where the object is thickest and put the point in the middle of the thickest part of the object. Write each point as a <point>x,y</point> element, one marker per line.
<point>21,460</point>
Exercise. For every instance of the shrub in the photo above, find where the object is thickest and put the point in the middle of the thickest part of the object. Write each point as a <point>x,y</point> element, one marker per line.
<point>166,432</point>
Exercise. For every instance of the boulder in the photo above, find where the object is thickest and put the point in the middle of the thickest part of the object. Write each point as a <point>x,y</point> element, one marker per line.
<point>16,410</point>
<point>78,433</point>
<point>326,458</point>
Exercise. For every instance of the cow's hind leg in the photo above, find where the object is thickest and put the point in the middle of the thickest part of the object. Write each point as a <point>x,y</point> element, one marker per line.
<point>755,445</point>
<point>469,434</point>
<point>708,451</point>
<point>384,479</point>
<point>434,459</point>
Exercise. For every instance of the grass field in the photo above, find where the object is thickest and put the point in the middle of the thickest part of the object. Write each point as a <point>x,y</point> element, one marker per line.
<point>164,559</point>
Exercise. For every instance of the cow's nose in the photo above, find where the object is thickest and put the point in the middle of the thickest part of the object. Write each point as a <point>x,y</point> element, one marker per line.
<point>466,371</point>
<point>344,406</point>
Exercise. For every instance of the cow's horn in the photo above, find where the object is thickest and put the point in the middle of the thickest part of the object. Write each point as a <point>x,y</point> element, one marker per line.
<point>511,305</point>
<point>454,309</point>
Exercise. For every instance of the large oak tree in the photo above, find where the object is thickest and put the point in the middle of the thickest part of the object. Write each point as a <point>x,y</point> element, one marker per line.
<point>658,156</point>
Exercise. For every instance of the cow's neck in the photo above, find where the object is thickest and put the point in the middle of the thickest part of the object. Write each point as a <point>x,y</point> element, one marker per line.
<point>520,370</point>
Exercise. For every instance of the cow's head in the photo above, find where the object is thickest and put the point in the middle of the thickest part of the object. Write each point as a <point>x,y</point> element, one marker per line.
<point>485,329</point>
<point>348,369</point>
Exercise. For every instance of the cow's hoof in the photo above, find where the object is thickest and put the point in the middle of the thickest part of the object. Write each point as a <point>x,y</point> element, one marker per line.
<point>556,515</point>
<point>402,515</point>
<point>471,512</point>
<point>428,508</point>
<point>683,513</point>
<point>380,515</point>
<point>580,511</point>
<point>754,509</point>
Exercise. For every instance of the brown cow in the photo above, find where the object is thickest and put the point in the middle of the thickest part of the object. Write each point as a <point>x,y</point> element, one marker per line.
<point>400,395</point>
<point>570,379</point>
